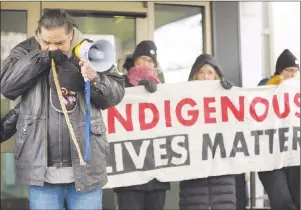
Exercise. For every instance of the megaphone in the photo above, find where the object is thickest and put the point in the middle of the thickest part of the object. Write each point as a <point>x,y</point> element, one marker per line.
<point>100,54</point>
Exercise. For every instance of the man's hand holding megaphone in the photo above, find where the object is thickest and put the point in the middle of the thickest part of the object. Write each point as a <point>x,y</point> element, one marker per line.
<point>86,71</point>
<point>95,57</point>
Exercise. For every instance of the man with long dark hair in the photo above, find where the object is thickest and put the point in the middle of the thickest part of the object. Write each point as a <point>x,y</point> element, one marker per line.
<point>47,154</point>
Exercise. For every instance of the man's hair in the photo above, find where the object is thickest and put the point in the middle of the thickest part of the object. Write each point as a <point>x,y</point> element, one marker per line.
<point>55,18</point>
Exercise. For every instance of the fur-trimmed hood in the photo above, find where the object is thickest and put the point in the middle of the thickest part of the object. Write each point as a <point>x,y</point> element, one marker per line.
<point>125,62</point>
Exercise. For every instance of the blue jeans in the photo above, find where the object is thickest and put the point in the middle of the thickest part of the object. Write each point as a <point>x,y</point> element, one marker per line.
<point>52,196</point>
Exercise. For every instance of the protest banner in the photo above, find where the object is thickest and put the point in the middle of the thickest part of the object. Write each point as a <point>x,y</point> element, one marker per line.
<point>198,129</point>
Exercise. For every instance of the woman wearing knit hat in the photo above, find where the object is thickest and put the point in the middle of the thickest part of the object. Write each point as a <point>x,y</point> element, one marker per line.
<point>283,185</point>
<point>218,192</point>
<point>141,68</point>
<point>287,67</point>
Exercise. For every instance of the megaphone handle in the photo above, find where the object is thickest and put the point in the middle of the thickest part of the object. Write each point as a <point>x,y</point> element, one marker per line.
<point>85,79</point>
<point>88,121</point>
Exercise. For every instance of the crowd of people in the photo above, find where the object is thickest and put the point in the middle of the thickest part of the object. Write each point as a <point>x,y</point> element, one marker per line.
<point>45,157</point>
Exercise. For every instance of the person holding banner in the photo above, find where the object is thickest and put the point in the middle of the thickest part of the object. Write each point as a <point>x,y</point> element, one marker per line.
<point>212,192</point>
<point>47,154</point>
<point>287,67</point>
<point>142,70</point>
<point>282,185</point>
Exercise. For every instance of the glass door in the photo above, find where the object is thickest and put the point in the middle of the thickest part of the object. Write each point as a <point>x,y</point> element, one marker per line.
<point>182,31</point>
<point>18,22</point>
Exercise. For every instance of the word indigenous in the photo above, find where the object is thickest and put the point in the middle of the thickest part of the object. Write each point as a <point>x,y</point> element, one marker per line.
<point>209,105</point>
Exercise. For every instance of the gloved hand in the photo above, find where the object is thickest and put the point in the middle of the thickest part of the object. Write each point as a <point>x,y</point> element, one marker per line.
<point>149,85</point>
<point>226,84</point>
<point>58,56</point>
<point>69,75</point>
<point>8,123</point>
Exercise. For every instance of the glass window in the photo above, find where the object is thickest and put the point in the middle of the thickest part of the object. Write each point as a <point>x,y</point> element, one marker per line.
<point>179,39</point>
<point>265,41</point>
<point>13,31</point>
<point>266,61</point>
<point>12,34</point>
<point>119,30</point>
<point>265,15</point>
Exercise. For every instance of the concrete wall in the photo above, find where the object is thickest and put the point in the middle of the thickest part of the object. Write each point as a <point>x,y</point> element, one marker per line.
<point>285,29</point>
<point>226,45</point>
<point>251,46</point>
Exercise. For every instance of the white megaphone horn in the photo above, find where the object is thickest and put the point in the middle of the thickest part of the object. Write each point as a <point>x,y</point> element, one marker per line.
<point>100,54</point>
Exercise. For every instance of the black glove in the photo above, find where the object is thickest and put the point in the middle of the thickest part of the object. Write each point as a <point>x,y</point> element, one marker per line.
<point>226,84</point>
<point>69,74</point>
<point>58,56</point>
<point>8,124</point>
<point>149,85</point>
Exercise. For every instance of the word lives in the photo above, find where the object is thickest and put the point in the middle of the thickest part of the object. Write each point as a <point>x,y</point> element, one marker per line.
<point>148,154</point>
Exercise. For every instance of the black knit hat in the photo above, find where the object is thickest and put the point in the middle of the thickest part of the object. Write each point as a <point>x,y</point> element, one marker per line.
<point>286,59</point>
<point>146,48</point>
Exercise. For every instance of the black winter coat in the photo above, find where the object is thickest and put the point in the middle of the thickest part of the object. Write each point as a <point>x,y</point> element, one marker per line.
<point>213,192</point>
<point>208,193</point>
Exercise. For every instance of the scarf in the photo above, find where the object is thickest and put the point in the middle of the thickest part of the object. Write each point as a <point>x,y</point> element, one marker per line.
<point>136,74</point>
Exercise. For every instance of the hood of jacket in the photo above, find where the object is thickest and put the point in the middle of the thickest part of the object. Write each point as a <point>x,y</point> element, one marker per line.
<point>201,61</point>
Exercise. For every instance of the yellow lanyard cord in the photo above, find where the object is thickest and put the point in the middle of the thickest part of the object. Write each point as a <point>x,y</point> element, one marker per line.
<point>61,99</point>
